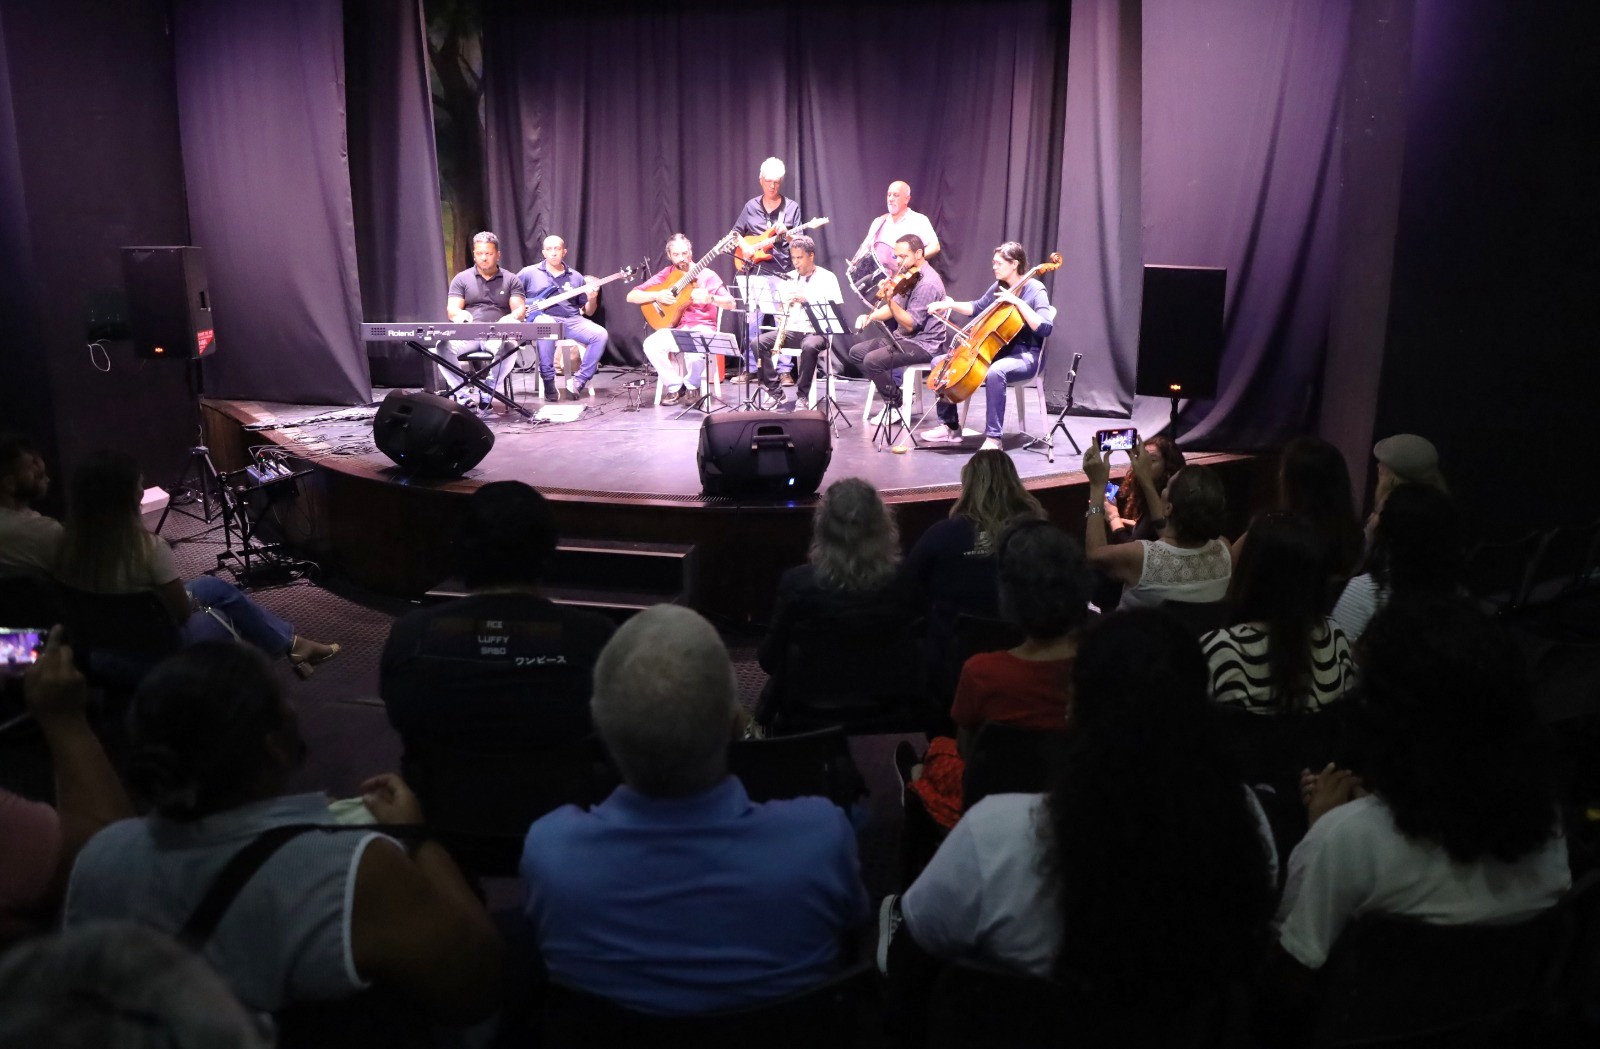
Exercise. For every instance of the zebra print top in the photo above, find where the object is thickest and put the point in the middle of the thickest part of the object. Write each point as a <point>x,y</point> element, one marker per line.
<point>1240,674</point>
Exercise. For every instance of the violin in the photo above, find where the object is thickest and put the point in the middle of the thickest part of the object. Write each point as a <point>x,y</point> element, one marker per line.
<point>900,284</point>
<point>959,375</point>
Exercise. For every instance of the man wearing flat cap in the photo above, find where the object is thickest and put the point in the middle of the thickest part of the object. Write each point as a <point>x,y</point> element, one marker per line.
<point>1404,458</point>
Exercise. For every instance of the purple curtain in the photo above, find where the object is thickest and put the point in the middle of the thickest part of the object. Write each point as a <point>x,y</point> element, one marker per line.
<point>261,108</point>
<point>651,124</point>
<point>1240,169</point>
<point>394,178</point>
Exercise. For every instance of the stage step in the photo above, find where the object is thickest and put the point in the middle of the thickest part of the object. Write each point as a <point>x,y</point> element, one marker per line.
<point>615,576</point>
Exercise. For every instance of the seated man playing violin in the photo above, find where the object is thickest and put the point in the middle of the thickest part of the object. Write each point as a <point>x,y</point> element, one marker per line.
<point>1018,361</point>
<point>905,298</point>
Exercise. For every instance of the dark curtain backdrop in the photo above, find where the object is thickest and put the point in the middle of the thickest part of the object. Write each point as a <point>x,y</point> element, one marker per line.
<point>1240,169</point>
<point>394,178</point>
<point>648,124</point>
<point>261,110</point>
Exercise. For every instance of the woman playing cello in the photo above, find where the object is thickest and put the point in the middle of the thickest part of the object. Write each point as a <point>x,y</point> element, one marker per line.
<point>1017,361</point>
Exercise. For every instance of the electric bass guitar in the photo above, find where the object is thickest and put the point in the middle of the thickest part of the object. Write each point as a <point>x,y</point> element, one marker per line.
<point>540,306</point>
<point>666,314</point>
<point>758,246</point>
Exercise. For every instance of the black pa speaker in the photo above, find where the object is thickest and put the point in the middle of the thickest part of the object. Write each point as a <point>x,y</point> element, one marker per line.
<point>430,435</point>
<point>169,306</point>
<point>1180,331</point>
<point>764,453</point>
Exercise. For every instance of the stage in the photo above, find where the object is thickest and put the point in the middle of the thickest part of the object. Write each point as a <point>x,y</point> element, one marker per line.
<point>627,481</point>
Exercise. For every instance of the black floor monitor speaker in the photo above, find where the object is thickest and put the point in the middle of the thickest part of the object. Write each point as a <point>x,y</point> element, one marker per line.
<point>1180,331</point>
<point>430,435</point>
<point>778,454</point>
<point>169,306</point>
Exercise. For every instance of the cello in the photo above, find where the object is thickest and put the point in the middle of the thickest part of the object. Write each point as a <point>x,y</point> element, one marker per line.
<point>960,374</point>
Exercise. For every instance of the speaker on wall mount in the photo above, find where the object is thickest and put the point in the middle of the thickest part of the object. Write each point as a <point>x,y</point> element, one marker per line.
<point>169,304</point>
<point>778,454</point>
<point>429,435</point>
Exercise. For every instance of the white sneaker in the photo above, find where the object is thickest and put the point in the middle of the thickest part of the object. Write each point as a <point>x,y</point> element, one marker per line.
<point>889,920</point>
<point>940,435</point>
<point>991,444</point>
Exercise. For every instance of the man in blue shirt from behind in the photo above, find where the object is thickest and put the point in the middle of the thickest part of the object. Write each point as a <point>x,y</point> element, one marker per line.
<point>677,895</point>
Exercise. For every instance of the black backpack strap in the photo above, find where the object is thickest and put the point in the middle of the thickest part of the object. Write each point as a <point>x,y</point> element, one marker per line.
<point>235,874</point>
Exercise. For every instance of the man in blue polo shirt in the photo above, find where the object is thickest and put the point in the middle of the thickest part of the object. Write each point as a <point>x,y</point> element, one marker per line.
<point>486,294</point>
<point>552,277</point>
<point>677,895</point>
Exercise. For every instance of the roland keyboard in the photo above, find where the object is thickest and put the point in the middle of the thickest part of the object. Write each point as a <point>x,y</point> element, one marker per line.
<point>429,331</point>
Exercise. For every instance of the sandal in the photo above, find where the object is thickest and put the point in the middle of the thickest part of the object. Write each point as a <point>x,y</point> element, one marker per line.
<point>305,666</point>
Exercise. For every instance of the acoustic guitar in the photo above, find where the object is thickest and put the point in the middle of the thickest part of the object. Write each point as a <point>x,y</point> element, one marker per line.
<point>758,246</point>
<point>664,314</point>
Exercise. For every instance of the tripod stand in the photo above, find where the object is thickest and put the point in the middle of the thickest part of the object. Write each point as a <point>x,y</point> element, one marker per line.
<point>1049,439</point>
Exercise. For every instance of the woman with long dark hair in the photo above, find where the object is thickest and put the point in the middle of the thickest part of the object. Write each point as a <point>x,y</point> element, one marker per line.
<point>106,549</point>
<point>1135,513</point>
<point>1280,654</point>
<point>1314,485</point>
<point>1143,880</point>
<point>1454,817</point>
<point>1416,551</point>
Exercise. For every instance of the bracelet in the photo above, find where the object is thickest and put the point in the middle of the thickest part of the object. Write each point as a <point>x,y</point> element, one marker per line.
<point>1093,509</point>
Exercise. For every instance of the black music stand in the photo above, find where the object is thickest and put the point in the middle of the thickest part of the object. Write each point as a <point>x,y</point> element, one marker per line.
<point>1049,439</point>
<point>705,343</point>
<point>827,322</point>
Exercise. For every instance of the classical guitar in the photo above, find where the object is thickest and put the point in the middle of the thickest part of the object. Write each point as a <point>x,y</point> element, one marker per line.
<point>541,305</point>
<point>758,246</point>
<point>664,314</point>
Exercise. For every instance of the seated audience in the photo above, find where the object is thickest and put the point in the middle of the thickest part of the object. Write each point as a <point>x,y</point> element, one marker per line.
<point>1280,655</point>
<point>1416,550</point>
<point>1403,459</point>
<point>1454,818</point>
<point>1135,513</point>
<point>41,841</point>
<point>952,563</point>
<point>504,668</point>
<point>678,895</point>
<point>121,985</point>
<point>28,539</point>
<point>851,579</point>
<point>1187,561</point>
<point>331,912</point>
<point>106,550</point>
<point>1314,484</point>
<point>1044,590</point>
<point>1143,880</point>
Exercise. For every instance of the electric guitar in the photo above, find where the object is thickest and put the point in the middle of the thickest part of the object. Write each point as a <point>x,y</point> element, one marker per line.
<point>757,247</point>
<point>666,314</point>
<point>540,306</point>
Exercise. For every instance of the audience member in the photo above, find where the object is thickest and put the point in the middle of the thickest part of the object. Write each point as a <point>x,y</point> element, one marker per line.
<point>1044,590</point>
<point>1280,655</point>
<point>677,894</point>
<point>1416,550</point>
<point>1454,816</point>
<point>1142,881</point>
<point>851,580</point>
<point>1129,516</point>
<point>28,539</point>
<point>504,668</point>
<point>332,910</point>
<point>1403,459</point>
<point>118,985</point>
<point>1314,484</point>
<point>41,840</point>
<point>106,549</point>
<point>1187,561</point>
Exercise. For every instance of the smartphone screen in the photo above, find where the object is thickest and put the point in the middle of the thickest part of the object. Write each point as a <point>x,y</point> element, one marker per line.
<point>1117,440</point>
<point>20,646</point>
<point>1111,491</point>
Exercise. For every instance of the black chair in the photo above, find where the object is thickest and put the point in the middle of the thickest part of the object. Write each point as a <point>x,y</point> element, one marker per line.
<point>863,673</point>
<point>806,763</point>
<point>1198,617</point>
<point>1399,981</point>
<point>118,638</point>
<point>1501,576</point>
<point>830,1015</point>
<point>481,803</point>
<point>1008,759</point>
<point>1575,1000</point>
<point>29,601</point>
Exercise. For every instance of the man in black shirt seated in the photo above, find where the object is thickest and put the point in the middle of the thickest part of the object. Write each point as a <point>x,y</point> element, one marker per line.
<point>504,668</point>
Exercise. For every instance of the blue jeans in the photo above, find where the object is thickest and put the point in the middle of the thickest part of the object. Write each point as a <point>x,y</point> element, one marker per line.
<point>579,329</point>
<point>256,626</point>
<point>1019,365</point>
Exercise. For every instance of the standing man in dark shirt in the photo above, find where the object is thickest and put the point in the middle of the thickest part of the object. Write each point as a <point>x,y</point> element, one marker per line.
<point>504,668</point>
<point>761,281</point>
<point>552,277</point>
<point>485,294</point>
<point>918,337</point>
